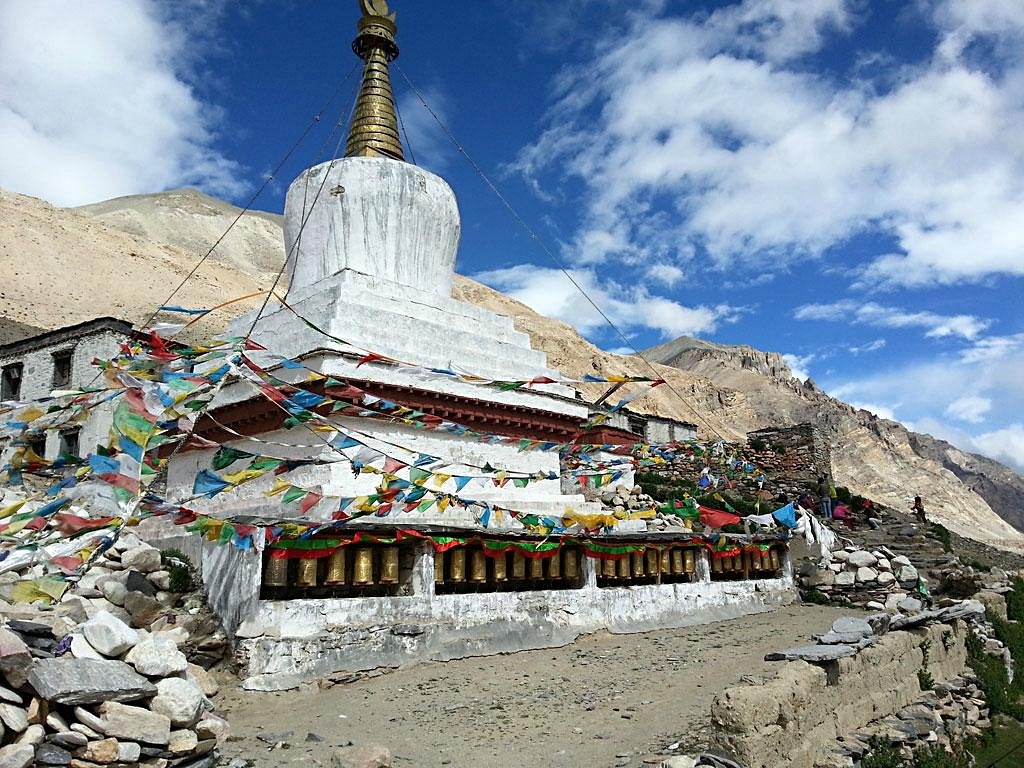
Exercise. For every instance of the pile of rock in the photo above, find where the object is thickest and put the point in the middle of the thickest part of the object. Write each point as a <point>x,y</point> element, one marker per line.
<point>622,501</point>
<point>952,711</point>
<point>877,579</point>
<point>102,677</point>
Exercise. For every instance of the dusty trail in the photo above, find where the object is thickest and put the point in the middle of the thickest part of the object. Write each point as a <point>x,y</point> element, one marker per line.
<point>606,700</point>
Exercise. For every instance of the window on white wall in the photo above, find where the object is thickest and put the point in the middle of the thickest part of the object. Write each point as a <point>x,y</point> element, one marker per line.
<point>10,381</point>
<point>62,368</point>
<point>69,442</point>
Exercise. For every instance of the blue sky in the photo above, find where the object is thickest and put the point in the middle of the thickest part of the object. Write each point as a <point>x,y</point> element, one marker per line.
<point>839,181</point>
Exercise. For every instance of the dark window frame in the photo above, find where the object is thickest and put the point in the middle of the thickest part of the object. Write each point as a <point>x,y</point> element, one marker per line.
<point>6,386</point>
<point>62,355</point>
<point>63,448</point>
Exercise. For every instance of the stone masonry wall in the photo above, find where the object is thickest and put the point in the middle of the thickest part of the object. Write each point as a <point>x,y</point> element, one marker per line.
<point>793,719</point>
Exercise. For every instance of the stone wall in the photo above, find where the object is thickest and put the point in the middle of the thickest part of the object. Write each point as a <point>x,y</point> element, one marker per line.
<point>792,459</point>
<point>795,718</point>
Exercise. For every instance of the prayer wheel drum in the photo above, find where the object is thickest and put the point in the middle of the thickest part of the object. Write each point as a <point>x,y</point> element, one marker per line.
<point>716,564</point>
<point>555,566</point>
<point>571,564</point>
<point>500,567</point>
<point>335,569</point>
<point>535,568</point>
<point>389,565</point>
<point>625,567</point>
<point>638,563</point>
<point>678,566</point>
<point>438,567</point>
<point>776,560</point>
<point>477,566</point>
<point>666,562</point>
<point>690,561</point>
<point>652,562</point>
<point>275,574</point>
<point>306,576</point>
<point>362,572</point>
<point>518,565</point>
<point>457,565</point>
<point>608,569</point>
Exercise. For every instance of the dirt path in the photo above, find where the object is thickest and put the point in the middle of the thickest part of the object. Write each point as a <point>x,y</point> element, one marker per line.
<point>606,700</point>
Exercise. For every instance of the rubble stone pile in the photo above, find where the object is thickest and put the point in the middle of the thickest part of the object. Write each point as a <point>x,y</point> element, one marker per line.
<point>104,677</point>
<point>877,580</point>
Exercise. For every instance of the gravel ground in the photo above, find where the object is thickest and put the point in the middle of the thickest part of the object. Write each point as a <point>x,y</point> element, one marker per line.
<point>605,700</point>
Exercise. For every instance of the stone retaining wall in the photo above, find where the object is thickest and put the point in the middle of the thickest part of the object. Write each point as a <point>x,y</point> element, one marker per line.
<point>795,718</point>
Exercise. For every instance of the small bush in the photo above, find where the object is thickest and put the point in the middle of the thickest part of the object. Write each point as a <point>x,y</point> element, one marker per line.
<point>1002,696</point>
<point>757,445</point>
<point>843,494</point>
<point>180,568</point>
<point>936,756</point>
<point>882,754</point>
<point>1015,601</point>
<point>814,596</point>
<point>940,533</point>
<point>925,679</point>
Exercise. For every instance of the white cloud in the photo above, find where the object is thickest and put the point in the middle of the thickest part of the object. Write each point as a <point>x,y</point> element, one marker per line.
<point>1005,445</point>
<point>798,365</point>
<point>420,130</point>
<point>668,274</point>
<point>713,122</point>
<point>970,408</point>
<point>882,411</point>
<point>550,293</point>
<point>869,313</point>
<point>871,346</point>
<point>94,103</point>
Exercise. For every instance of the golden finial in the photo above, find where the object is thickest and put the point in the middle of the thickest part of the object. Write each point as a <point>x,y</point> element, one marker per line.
<point>374,130</point>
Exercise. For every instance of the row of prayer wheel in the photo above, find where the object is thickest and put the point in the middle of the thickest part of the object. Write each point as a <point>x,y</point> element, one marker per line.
<point>746,562</point>
<point>464,565</point>
<point>349,566</point>
<point>650,563</point>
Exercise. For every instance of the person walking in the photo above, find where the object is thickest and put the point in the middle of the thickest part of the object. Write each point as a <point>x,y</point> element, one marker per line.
<point>918,509</point>
<point>826,497</point>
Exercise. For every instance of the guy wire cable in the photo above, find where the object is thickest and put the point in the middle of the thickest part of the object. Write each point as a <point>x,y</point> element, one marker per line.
<point>266,182</point>
<point>536,238</point>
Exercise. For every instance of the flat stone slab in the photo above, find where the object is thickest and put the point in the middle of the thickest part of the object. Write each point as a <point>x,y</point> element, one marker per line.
<point>87,681</point>
<point>852,624</point>
<point>840,638</point>
<point>813,653</point>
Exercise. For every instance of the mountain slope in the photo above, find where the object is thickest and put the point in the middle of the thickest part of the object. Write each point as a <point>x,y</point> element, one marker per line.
<point>122,258</point>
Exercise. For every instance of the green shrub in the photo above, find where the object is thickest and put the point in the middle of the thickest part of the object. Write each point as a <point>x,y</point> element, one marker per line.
<point>925,679</point>
<point>940,533</point>
<point>1002,696</point>
<point>181,570</point>
<point>843,494</point>
<point>757,444</point>
<point>882,754</point>
<point>814,596</point>
<point>1015,601</point>
<point>936,756</point>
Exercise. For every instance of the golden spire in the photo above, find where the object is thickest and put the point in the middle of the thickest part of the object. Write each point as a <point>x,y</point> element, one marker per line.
<point>374,130</point>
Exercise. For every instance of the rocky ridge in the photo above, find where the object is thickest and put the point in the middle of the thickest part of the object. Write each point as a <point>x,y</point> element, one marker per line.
<point>727,391</point>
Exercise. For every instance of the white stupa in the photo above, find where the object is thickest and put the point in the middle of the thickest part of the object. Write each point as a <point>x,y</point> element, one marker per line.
<point>372,242</point>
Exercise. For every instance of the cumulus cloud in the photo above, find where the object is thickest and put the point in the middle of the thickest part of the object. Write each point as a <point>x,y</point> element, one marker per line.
<point>1005,445</point>
<point>713,121</point>
<point>935,325</point>
<point>970,408</point>
<point>550,293</point>
<point>94,103</point>
<point>668,274</point>
<point>798,365</point>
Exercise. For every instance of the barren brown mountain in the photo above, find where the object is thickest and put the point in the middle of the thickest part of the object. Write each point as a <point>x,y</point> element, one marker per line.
<point>122,258</point>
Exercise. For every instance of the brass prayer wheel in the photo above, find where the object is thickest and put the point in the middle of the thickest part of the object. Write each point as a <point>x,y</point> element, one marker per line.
<point>737,562</point>
<point>389,565</point>
<point>776,560</point>
<point>518,565</point>
<point>608,569</point>
<point>363,571</point>
<point>571,564</point>
<point>638,563</point>
<point>335,569</point>
<point>306,572</point>
<point>555,566</point>
<point>477,566</point>
<point>438,567</point>
<point>457,565</point>
<point>625,567</point>
<point>677,561</point>
<point>666,562</point>
<point>652,562</point>
<point>716,564</point>
<point>690,561</point>
<point>727,564</point>
<point>501,567</point>
<point>275,574</point>
<point>535,568</point>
